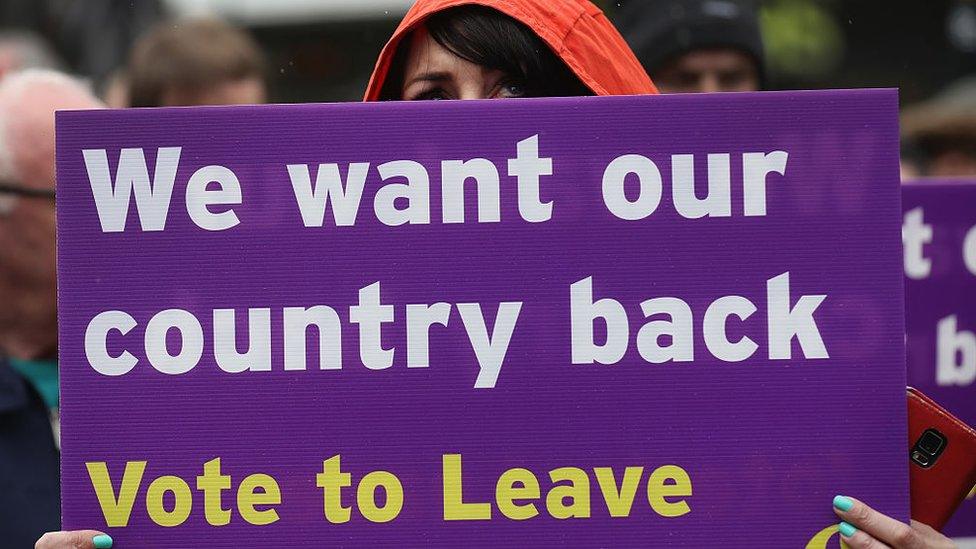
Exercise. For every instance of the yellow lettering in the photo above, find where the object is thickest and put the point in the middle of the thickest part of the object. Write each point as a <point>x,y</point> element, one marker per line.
<point>517,484</point>
<point>619,501</point>
<point>116,510</point>
<point>211,482</point>
<point>154,501</point>
<point>454,506</point>
<point>659,488</point>
<point>332,480</point>
<point>578,491</point>
<point>366,496</point>
<point>822,538</point>
<point>248,497</point>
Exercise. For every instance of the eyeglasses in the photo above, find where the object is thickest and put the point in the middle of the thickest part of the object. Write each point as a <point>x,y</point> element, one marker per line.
<point>7,187</point>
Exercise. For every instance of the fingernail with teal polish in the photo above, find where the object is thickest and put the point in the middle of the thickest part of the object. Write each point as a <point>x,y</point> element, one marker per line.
<point>102,541</point>
<point>843,503</point>
<point>846,530</point>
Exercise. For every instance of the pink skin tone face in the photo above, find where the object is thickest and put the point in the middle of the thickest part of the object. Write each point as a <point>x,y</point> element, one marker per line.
<point>952,164</point>
<point>247,91</point>
<point>432,72</point>
<point>28,320</point>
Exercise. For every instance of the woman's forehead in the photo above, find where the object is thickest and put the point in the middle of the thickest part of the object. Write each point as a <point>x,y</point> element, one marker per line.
<point>426,56</point>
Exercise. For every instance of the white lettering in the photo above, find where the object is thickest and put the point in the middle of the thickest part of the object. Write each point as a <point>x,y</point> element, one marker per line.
<point>915,234</point>
<point>952,343</point>
<point>132,176</point>
<point>490,350</point>
<point>328,183</point>
<point>528,168</point>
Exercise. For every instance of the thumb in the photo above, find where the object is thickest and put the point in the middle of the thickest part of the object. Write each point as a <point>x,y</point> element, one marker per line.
<point>76,539</point>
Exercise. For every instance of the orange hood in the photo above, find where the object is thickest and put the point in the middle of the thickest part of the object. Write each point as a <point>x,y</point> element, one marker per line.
<point>576,30</point>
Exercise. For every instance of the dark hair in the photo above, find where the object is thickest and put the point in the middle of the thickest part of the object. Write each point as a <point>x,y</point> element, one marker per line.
<point>660,32</point>
<point>492,39</point>
<point>190,56</point>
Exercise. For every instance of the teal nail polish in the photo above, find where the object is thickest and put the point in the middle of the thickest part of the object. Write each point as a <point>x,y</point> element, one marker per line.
<point>843,503</point>
<point>102,541</point>
<point>846,530</point>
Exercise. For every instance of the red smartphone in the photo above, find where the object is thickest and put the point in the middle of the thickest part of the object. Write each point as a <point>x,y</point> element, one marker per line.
<point>942,457</point>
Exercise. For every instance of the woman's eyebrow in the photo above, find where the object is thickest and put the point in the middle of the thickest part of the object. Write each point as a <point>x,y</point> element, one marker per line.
<point>430,77</point>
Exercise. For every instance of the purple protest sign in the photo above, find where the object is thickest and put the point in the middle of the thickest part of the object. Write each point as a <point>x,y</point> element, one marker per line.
<point>504,322</point>
<point>939,232</point>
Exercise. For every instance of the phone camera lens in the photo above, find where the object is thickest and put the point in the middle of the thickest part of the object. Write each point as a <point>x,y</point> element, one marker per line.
<point>928,448</point>
<point>920,458</point>
<point>931,442</point>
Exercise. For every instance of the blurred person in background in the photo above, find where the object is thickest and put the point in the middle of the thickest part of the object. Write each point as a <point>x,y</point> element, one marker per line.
<point>115,91</point>
<point>91,36</point>
<point>29,475</point>
<point>696,45</point>
<point>939,135</point>
<point>20,50</point>
<point>195,62</point>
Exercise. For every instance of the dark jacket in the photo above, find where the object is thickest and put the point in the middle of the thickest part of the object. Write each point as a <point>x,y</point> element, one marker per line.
<point>30,498</point>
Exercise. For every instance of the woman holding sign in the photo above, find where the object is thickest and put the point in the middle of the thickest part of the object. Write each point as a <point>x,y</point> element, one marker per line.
<point>484,49</point>
<point>488,49</point>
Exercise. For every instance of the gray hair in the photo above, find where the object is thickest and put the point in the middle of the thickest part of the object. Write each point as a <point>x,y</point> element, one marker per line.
<point>14,89</point>
<point>30,51</point>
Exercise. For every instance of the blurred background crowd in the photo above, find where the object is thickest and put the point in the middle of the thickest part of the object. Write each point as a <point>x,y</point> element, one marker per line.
<point>144,53</point>
<point>183,52</point>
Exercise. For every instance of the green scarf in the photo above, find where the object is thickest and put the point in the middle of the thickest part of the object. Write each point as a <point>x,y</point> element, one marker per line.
<point>42,375</point>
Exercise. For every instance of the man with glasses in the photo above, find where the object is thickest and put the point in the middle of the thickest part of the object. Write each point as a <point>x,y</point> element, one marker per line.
<point>29,481</point>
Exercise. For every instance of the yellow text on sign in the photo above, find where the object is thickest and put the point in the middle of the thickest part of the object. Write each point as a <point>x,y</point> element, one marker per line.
<point>256,490</point>
<point>518,490</point>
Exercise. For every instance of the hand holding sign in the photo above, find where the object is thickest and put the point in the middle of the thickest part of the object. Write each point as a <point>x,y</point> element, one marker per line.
<point>77,539</point>
<point>865,528</point>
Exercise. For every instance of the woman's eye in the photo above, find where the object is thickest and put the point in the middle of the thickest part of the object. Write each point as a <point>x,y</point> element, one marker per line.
<point>513,89</point>
<point>435,94</point>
